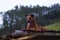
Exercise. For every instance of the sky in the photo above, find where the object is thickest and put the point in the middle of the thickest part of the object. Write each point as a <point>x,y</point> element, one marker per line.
<point>10,4</point>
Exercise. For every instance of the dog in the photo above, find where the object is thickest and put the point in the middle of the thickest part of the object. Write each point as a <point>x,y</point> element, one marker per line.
<point>32,25</point>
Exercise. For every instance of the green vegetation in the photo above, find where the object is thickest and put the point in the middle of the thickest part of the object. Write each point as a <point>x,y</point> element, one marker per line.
<point>54,26</point>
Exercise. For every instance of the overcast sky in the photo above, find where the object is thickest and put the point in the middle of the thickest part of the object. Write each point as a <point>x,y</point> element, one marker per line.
<point>9,4</point>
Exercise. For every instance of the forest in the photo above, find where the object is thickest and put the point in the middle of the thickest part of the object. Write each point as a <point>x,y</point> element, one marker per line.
<point>15,19</point>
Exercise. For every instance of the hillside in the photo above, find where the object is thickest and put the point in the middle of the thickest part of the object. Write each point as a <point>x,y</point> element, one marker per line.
<point>55,25</point>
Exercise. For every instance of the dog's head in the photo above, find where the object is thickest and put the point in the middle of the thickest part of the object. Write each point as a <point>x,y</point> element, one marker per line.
<point>30,17</point>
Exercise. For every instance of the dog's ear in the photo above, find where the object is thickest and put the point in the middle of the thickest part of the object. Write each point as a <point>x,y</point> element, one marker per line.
<point>32,15</point>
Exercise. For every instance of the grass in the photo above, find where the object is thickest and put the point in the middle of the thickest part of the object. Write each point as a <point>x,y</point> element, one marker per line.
<point>54,26</point>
